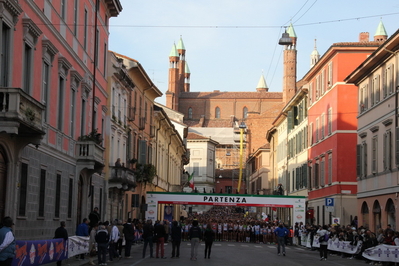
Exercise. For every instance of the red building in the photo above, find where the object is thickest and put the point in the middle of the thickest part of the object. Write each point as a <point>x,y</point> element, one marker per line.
<point>332,119</point>
<point>52,95</point>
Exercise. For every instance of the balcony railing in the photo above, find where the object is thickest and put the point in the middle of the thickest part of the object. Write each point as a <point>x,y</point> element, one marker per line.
<point>89,151</point>
<point>17,106</point>
<point>123,177</point>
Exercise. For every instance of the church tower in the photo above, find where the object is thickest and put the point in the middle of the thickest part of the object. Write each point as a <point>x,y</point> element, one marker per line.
<point>173,85</point>
<point>290,58</point>
<point>314,56</point>
<point>381,34</point>
<point>187,75</point>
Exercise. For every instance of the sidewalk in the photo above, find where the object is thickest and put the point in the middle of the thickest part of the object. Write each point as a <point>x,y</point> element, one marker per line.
<point>77,262</point>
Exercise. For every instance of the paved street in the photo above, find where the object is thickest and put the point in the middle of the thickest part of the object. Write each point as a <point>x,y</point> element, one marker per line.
<point>230,253</point>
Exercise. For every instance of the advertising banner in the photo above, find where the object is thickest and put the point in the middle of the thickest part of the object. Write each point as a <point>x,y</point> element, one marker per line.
<point>78,245</point>
<point>40,252</point>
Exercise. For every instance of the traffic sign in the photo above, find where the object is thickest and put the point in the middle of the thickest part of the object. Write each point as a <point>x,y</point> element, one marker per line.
<point>330,202</point>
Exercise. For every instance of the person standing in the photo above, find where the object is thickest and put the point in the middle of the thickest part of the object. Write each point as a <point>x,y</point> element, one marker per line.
<point>113,241</point>
<point>7,242</point>
<point>209,237</point>
<point>160,236</point>
<point>120,240</point>
<point>148,235</point>
<point>281,232</point>
<point>92,243</point>
<point>194,235</point>
<point>322,231</point>
<point>83,230</point>
<point>102,239</point>
<point>128,232</point>
<point>94,218</point>
<point>176,239</point>
<point>61,232</point>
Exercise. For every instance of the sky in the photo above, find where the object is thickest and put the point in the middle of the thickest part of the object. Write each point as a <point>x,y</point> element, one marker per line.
<point>231,43</point>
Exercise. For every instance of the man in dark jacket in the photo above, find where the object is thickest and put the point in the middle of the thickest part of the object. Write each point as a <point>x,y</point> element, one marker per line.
<point>94,218</point>
<point>102,239</point>
<point>61,232</point>
<point>148,234</point>
<point>176,239</point>
<point>128,232</point>
<point>160,236</point>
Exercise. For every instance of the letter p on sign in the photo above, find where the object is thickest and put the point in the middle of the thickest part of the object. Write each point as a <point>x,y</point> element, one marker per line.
<point>330,202</point>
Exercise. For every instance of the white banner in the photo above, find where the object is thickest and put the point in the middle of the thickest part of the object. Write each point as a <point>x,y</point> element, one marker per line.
<point>383,253</point>
<point>78,245</point>
<point>335,245</point>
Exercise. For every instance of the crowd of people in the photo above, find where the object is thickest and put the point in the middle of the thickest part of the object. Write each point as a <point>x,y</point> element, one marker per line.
<point>220,223</point>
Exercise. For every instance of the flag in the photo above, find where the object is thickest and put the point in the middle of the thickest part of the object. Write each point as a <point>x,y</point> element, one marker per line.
<point>191,181</point>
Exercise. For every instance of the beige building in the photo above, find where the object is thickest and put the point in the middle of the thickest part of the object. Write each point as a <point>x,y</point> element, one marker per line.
<point>377,150</point>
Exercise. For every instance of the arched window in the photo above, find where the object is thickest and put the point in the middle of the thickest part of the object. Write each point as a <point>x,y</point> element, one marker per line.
<point>245,112</point>
<point>390,209</point>
<point>377,215</point>
<point>217,112</point>
<point>190,113</point>
<point>365,215</point>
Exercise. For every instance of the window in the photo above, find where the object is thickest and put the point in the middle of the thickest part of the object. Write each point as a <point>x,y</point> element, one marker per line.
<point>329,118</point>
<point>57,196</point>
<point>310,93</point>
<point>75,18</point>
<point>75,80</point>
<point>374,154</point>
<point>245,112</point>
<point>97,47</point>
<point>61,89</point>
<point>217,112</point>
<point>63,9</point>
<point>387,150</point>
<point>330,75</point>
<point>5,55</point>
<point>45,88</point>
<point>316,174</point>
<point>376,84</point>
<point>85,28</point>
<point>83,118</point>
<point>318,87</point>
<point>105,59</point>
<point>27,70</point>
<point>23,189</point>
<point>310,132</point>
<point>190,113</point>
<point>323,123</point>
<point>70,197</point>
<point>330,169</point>
<point>323,82</point>
<point>142,152</point>
<point>196,169</point>
<point>322,172</point>
<point>42,192</point>
<point>317,129</point>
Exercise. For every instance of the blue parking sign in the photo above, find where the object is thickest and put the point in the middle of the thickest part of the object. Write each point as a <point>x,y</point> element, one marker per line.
<point>330,202</point>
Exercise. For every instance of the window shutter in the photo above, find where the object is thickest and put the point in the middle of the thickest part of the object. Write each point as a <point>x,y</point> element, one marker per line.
<point>290,120</point>
<point>397,146</point>
<point>358,159</point>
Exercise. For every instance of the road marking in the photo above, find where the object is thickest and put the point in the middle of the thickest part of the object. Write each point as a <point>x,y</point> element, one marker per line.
<point>218,245</point>
<point>244,245</point>
<point>231,245</point>
<point>258,246</point>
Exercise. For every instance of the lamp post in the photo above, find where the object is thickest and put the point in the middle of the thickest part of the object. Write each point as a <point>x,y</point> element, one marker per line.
<point>242,128</point>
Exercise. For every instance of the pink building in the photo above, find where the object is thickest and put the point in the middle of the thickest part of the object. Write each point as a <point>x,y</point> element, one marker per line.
<point>52,111</point>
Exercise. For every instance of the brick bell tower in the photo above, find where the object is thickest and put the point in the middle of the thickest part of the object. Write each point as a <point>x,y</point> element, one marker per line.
<point>173,85</point>
<point>290,58</point>
<point>178,75</point>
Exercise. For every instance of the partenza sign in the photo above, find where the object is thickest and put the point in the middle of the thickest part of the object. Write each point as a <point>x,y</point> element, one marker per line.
<point>296,203</point>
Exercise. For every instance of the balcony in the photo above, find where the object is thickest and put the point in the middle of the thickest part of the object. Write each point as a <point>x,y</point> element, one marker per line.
<point>123,178</point>
<point>21,114</point>
<point>89,154</point>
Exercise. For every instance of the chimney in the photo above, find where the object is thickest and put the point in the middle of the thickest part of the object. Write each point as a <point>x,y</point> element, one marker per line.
<point>364,37</point>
